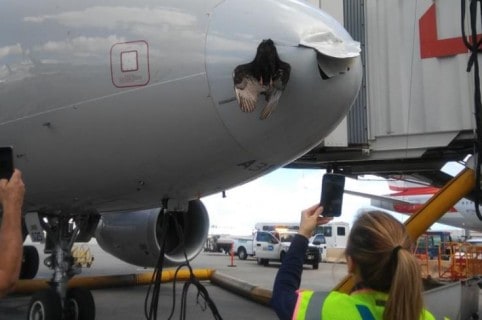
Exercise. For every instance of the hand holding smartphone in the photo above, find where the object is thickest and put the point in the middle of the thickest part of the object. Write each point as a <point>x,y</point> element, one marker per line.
<point>6,163</point>
<point>332,189</point>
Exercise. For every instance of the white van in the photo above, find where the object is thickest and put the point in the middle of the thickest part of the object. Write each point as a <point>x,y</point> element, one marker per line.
<point>336,233</point>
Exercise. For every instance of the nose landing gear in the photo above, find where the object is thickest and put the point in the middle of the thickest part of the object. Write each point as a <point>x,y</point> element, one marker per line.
<point>60,302</point>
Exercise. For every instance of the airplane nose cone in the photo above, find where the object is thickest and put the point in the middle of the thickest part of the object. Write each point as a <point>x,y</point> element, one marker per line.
<point>324,80</point>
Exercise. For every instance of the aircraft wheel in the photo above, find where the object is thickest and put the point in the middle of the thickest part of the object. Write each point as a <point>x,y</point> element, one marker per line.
<point>80,304</point>
<point>30,262</point>
<point>45,305</point>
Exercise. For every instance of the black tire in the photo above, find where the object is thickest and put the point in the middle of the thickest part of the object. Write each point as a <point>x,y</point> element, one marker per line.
<point>265,262</point>
<point>80,304</point>
<point>242,254</point>
<point>316,265</point>
<point>45,305</point>
<point>30,263</point>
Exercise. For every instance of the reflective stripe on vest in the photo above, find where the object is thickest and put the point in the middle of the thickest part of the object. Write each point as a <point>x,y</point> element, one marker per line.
<point>365,313</point>
<point>312,307</point>
<point>313,310</point>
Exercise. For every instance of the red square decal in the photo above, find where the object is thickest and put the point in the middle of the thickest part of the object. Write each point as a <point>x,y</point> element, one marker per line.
<point>129,64</point>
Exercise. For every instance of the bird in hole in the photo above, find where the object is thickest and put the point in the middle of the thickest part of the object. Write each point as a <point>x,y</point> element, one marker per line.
<point>266,75</point>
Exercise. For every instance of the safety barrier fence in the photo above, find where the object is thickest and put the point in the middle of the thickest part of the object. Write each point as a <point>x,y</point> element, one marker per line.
<point>457,261</point>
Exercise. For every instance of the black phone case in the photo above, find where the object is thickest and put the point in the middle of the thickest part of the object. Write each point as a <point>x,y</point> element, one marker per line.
<point>332,190</point>
<point>6,162</point>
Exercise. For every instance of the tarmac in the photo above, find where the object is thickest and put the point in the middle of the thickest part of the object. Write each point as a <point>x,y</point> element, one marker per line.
<point>128,302</point>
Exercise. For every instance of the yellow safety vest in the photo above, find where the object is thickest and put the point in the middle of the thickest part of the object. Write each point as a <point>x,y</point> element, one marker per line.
<point>362,305</point>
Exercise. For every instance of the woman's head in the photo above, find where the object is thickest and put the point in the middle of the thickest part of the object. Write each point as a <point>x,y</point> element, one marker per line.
<point>373,246</point>
<point>379,250</point>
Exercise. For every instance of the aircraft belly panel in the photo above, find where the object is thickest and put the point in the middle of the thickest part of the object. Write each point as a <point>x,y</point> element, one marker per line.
<point>131,150</point>
<point>104,103</point>
<point>117,106</point>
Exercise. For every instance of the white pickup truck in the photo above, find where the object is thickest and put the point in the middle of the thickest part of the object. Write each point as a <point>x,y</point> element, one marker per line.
<point>268,247</point>
<point>319,241</point>
<point>243,247</point>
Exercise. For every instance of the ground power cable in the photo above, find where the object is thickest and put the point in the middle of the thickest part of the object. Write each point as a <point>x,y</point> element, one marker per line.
<point>152,297</point>
<point>473,45</point>
<point>201,293</point>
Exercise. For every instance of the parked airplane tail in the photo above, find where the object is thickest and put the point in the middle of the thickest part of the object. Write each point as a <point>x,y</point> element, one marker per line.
<point>410,187</point>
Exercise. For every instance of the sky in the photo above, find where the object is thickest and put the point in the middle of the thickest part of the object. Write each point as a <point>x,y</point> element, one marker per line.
<point>281,195</point>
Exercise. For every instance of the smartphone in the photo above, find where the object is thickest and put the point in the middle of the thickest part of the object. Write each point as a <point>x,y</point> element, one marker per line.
<point>6,162</point>
<point>332,188</point>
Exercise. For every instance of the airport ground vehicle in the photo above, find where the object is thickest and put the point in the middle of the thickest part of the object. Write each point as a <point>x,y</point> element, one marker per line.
<point>336,233</point>
<point>218,243</point>
<point>82,256</point>
<point>433,242</point>
<point>319,241</point>
<point>270,248</point>
<point>243,247</point>
<point>277,226</point>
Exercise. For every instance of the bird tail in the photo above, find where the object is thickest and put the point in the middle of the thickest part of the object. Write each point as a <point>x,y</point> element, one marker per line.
<point>271,105</point>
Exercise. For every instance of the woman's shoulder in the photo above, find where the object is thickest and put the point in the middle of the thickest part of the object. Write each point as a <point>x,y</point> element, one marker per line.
<point>427,315</point>
<point>339,305</point>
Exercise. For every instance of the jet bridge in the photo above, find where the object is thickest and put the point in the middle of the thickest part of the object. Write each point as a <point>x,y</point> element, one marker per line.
<point>415,109</point>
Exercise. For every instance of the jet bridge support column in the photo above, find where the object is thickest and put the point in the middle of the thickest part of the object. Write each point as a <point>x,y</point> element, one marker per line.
<point>435,208</point>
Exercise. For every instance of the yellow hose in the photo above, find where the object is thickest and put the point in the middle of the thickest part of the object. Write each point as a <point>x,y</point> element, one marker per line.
<point>97,282</point>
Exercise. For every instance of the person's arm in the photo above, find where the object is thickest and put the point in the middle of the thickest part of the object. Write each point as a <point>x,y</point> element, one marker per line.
<point>288,278</point>
<point>11,198</point>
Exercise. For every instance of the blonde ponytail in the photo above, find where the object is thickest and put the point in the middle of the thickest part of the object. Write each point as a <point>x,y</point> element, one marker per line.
<point>380,248</point>
<point>405,295</point>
